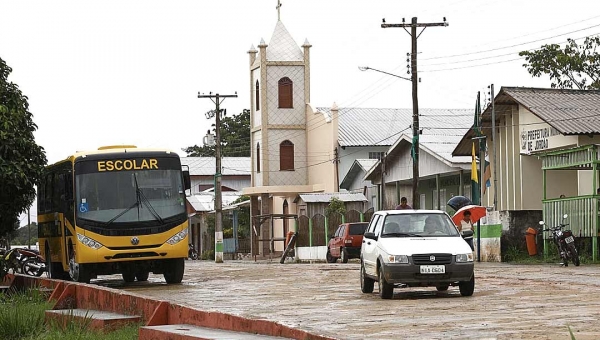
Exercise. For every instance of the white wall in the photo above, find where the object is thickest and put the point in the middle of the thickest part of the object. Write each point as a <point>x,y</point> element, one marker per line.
<point>350,154</point>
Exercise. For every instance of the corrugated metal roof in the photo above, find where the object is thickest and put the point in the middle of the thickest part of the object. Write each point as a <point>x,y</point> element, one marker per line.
<point>206,201</point>
<point>358,166</point>
<point>325,198</point>
<point>571,112</point>
<point>370,126</point>
<point>205,166</point>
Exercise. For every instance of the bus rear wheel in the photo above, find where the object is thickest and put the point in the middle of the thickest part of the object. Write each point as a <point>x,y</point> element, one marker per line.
<point>54,269</point>
<point>173,272</point>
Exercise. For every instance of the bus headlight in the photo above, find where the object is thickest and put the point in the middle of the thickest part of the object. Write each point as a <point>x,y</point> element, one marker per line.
<point>177,237</point>
<point>89,242</point>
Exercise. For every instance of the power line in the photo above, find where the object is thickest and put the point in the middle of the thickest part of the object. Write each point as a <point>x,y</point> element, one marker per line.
<point>510,46</point>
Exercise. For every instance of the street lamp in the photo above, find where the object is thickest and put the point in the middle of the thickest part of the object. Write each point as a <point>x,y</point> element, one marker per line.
<point>365,68</point>
<point>415,140</point>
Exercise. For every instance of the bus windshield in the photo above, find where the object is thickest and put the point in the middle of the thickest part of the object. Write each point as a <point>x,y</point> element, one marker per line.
<point>129,196</point>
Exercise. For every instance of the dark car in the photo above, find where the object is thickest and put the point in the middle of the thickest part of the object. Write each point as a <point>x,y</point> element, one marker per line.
<point>346,242</point>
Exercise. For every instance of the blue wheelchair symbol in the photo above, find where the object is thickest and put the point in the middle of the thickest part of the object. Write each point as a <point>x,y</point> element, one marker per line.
<point>83,207</point>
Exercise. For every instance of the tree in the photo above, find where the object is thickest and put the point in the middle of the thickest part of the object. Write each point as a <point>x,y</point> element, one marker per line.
<point>22,161</point>
<point>235,138</point>
<point>574,66</point>
<point>335,206</point>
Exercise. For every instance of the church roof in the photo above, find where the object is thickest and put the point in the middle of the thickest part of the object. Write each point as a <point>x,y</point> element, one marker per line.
<point>282,46</point>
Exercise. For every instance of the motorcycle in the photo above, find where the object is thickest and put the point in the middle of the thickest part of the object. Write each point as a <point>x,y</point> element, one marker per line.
<point>25,261</point>
<point>565,242</point>
<point>192,253</point>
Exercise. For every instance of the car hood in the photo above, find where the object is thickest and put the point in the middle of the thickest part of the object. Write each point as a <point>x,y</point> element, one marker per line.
<point>423,245</point>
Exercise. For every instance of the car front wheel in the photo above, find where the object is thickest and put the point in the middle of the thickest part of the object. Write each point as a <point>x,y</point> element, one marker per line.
<point>467,287</point>
<point>386,290</point>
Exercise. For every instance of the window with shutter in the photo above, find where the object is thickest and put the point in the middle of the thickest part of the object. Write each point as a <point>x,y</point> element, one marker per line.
<point>257,157</point>
<point>286,155</point>
<point>286,87</point>
<point>257,96</point>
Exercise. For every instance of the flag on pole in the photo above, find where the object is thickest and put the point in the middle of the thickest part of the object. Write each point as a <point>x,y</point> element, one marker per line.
<point>475,192</point>
<point>487,173</point>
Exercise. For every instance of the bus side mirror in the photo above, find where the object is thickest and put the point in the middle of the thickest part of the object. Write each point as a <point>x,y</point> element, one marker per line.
<point>187,183</point>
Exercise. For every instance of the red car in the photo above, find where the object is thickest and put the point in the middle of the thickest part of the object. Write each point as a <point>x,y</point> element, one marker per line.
<point>346,242</point>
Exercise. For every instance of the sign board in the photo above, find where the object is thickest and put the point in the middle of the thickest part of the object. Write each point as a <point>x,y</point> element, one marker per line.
<point>539,137</point>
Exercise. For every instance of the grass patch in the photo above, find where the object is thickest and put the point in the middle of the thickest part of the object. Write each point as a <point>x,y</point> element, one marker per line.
<point>22,314</point>
<point>22,317</point>
<point>130,332</point>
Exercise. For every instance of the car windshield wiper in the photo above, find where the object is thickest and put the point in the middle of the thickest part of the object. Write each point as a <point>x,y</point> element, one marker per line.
<point>140,199</point>
<point>402,234</point>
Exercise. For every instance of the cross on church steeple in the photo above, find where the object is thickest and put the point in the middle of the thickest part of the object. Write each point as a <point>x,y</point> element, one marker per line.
<point>278,10</point>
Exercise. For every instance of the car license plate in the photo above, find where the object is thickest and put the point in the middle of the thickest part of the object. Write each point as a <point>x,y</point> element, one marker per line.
<point>437,269</point>
<point>569,239</point>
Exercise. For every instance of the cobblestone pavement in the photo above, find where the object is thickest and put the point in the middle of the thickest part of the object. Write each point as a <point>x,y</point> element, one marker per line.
<point>510,301</point>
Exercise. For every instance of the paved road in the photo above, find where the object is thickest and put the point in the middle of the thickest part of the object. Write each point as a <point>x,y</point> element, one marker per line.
<point>510,301</point>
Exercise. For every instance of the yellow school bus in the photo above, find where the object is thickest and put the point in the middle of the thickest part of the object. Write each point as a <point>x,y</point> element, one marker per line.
<point>118,209</point>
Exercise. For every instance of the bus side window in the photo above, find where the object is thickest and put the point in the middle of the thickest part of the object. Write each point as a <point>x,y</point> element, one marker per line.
<point>41,196</point>
<point>48,193</point>
<point>57,188</point>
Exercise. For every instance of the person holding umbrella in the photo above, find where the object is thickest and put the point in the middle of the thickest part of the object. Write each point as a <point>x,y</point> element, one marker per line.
<point>466,224</point>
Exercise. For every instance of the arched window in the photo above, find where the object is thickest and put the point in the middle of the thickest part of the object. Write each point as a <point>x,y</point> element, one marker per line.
<point>257,96</point>
<point>286,88</point>
<point>257,157</point>
<point>286,155</point>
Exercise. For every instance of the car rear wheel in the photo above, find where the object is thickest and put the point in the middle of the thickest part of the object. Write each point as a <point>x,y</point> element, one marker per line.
<point>344,255</point>
<point>386,290</point>
<point>329,257</point>
<point>467,287</point>
<point>366,284</point>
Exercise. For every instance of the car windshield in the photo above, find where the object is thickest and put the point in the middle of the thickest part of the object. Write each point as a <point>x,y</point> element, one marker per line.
<point>358,228</point>
<point>129,196</point>
<point>419,225</point>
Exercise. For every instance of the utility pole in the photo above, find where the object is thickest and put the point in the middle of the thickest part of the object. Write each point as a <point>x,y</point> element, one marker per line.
<point>217,99</point>
<point>414,78</point>
<point>494,148</point>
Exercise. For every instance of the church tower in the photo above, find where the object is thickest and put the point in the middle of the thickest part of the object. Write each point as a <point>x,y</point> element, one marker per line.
<point>280,90</point>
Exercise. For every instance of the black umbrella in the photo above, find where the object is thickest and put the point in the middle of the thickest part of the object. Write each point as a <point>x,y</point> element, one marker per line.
<point>458,202</point>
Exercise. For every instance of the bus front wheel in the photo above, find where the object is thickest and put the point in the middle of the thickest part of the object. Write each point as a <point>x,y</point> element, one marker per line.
<point>173,272</point>
<point>77,272</point>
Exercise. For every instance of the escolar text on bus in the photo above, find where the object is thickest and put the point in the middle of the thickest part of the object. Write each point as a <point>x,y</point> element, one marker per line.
<point>128,164</point>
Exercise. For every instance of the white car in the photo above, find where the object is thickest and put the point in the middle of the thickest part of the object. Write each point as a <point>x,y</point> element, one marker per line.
<point>415,248</point>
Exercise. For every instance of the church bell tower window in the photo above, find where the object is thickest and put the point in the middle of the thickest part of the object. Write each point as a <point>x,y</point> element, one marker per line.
<point>257,96</point>
<point>286,87</point>
<point>286,156</point>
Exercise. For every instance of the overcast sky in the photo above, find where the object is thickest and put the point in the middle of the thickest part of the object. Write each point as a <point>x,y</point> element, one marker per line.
<point>128,72</point>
